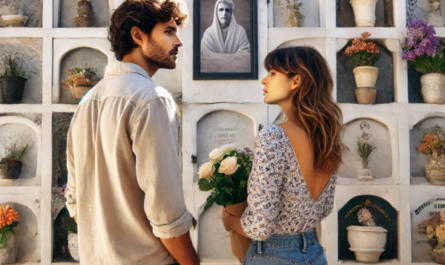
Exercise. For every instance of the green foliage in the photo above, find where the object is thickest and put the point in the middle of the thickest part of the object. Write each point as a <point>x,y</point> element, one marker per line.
<point>5,233</point>
<point>11,68</point>
<point>15,152</point>
<point>363,58</point>
<point>71,227</point>
<point>228,189</point>
<point>365,149</point>
<point>430,64</point>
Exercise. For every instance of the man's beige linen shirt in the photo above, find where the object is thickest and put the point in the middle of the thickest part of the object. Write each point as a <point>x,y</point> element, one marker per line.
<point>124,177</point>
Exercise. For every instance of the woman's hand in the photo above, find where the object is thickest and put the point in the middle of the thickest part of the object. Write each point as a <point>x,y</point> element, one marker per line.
<point>225,218</point>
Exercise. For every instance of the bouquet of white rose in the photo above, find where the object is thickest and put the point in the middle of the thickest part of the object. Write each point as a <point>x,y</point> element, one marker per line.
<point>226,176</point>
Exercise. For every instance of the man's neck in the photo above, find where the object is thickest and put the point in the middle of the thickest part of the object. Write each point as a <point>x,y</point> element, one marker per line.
<point>136,57</point>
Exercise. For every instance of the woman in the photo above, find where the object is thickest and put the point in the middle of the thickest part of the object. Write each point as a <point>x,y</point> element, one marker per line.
<point>292,183</point>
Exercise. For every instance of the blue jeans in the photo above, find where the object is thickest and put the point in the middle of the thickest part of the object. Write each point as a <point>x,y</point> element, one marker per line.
<point>286,249</point>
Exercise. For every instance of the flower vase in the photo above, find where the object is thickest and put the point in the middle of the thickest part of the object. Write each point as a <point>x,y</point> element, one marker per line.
<point>364,12</point>
<point>364,173</point>
<point>239,243</point>
<point>367,243</point>
<point>435,170</point>
<point>438,254</point>
<point>73,246</point>
<point>433,88</point>
<point>8,254</point>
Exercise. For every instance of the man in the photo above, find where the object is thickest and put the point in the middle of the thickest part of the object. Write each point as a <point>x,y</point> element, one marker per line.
<point>124,184</point>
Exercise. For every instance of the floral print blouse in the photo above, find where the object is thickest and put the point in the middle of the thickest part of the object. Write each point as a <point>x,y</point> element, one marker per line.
<point>279,202</point>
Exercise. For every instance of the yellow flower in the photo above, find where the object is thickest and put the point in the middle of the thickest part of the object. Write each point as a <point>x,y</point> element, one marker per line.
<point>229,165</point>
<point>206,170</point>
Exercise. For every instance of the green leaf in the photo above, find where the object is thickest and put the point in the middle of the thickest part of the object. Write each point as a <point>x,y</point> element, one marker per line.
<point>204,185</point>
<point>243,184</point>
<point>209,202</point>
<point>79,70</point>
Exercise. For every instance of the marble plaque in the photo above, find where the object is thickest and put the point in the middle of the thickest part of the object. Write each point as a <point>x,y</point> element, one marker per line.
<point>421,249</point>
<point>418,161</point>
<point>373,132</point>
<point>83,58</point>
<point>220,128</point>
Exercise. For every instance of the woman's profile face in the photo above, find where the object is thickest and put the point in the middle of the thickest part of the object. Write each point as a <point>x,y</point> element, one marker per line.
<point>224,14</point>
<point>277,87</point>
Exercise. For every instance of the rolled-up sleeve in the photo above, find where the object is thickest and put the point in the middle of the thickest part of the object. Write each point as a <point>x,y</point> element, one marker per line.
<point>155,145</point>
<point>265,182</point>
<point>70,192</point>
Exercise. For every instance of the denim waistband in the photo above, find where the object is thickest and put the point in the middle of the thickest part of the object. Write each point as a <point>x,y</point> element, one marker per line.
<point>289,241</point>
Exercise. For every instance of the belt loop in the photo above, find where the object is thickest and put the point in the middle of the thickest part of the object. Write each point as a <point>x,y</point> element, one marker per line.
<point>259,247</point>
<point>304,243</point>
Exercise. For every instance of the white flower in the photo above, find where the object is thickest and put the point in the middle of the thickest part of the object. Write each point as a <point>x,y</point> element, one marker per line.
<point>206,170</point>
<point>216,155</point>
<point>228,148</point>
<point>229,165</point>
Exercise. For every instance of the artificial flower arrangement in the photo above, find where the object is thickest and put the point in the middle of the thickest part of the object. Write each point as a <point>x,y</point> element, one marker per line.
<point>8,248</point>
<point>363,55</point>
<point>434,228</point>
<point>424,52</point>
<point>433,145</point>
<point>226,175</point>
<point>80,80</point>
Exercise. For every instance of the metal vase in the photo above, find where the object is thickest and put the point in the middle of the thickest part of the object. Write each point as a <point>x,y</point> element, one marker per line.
<point>10,169</point>
<point>11,89</point>
<point>433,88</point>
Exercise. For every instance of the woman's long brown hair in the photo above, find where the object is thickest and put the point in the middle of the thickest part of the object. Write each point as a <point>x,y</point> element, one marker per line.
<point>312,103</point>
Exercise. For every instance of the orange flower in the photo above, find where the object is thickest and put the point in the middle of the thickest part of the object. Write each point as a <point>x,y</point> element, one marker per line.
<point>366,35</point>
<point>7,216</point>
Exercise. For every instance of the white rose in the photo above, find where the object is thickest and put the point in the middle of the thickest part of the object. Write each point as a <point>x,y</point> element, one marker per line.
<point>216,155</point>
<point>228,148</point>
<point>229,165</point>
<point>206,170</point>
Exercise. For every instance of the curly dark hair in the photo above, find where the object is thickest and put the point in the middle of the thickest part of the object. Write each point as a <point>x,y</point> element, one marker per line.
<point>144,14</point>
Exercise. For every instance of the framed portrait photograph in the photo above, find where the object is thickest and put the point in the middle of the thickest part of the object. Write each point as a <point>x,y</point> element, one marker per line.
<point>225,40</point>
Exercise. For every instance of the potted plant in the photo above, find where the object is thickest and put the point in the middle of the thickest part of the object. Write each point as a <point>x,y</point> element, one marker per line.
<point>364,151</point>
<point>434,228</point>
<point>367,241</point>
<point>364,12</point>
<point>294,17</point>
<point>80,80</point>
<point>10,166</point>
<point>12,80</point>
<point>363,55</point>
<point>423,52</point>
<point>8,247</point>
<point>226,176</point>
<point>85,17</point>
<point>433,145</point>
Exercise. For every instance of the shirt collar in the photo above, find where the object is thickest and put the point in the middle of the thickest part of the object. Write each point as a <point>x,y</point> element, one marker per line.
<point>122,68</point>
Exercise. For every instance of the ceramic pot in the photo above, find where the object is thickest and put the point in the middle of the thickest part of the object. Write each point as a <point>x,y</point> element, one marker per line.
<point>10,169</point>
<point>8,254</point>
<point>239,243</point>
<point>364,12</point>
<point>366,95</point>
<point>79,91</point>
<point>73,245</point>
<point>365,76</point>
<point>11,89</point>
<point>84,21</point>
<point>433,88</point>
<point>367,242</point>
<point>435,174</point>
<point>15,20</point>
<point>439,255</point>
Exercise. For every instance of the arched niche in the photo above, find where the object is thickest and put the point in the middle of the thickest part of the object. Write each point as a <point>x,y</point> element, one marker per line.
<point>93,53</point>
<point>222,127</point>
<point>385,82</point>
<point>420,8</point>
<point>63,224</point>
<point>21,131</point>
<point>67,11</point>
<point>373,132</point>
<point>83,58</point>
<point>30,8</point>
<point>384,13</point>
<point>213,240</point>
<point>418,161</point>
<point>27,232</point>
<point>384,215</point>
<point>61,124</point>
<point>309,9</point>
<point>28,51</point>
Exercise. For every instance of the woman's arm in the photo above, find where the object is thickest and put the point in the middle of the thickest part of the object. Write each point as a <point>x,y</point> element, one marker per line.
<point>232,223</point>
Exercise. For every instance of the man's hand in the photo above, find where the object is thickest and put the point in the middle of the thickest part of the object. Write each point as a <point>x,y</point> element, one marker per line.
<point>224,218</point>
<point>181,248</point>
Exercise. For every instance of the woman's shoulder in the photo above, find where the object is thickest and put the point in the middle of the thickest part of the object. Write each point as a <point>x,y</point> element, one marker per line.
<point>270,134</point>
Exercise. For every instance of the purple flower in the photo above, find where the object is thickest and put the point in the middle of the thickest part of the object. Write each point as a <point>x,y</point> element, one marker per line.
<point>62,190</point>
<point>420,40</point>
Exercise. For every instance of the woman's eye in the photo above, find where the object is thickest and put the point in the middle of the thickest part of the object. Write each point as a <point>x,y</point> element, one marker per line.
<point>272,73</point>
<point>168,31</point>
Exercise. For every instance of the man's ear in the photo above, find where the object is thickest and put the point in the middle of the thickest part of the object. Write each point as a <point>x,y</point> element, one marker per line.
<point>296,82</point>
<point>136,34</point>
